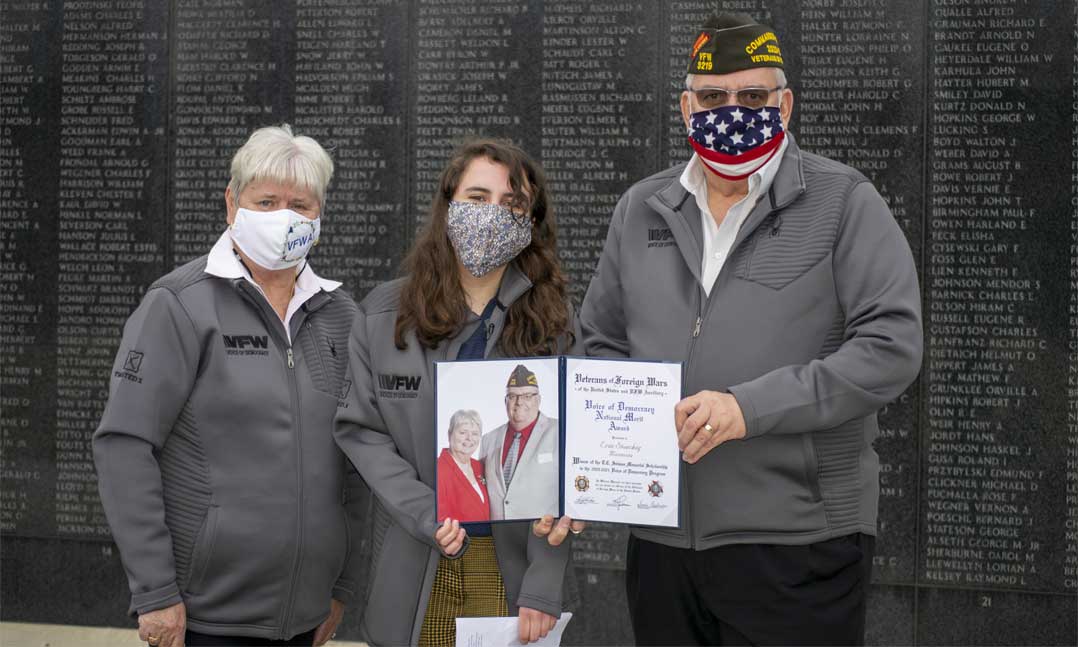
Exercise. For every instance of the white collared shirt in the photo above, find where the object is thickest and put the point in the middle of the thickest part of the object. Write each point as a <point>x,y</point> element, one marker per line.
<point>224,263</point>
<point>718,239</point>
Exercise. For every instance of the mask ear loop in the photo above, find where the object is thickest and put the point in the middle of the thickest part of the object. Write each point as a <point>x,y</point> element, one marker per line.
<point>307,257</point>
<point>242,262</point>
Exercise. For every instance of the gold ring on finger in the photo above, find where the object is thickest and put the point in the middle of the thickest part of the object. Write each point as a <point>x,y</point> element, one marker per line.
<point>708,428</point>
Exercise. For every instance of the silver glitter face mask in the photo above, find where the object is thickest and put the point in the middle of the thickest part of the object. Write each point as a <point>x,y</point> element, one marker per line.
<point>486,236</point>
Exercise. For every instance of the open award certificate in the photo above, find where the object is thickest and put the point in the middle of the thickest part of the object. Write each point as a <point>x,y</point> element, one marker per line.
<point>522,438</point>
<point>622,460</point>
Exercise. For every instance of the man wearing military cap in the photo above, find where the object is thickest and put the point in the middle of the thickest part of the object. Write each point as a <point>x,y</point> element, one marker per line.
<point>791,298</point>
<point>520,458</point>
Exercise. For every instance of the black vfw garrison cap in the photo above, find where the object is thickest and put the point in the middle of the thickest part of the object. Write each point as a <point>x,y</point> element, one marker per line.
<point>731,42</point>
<point>521,376</point>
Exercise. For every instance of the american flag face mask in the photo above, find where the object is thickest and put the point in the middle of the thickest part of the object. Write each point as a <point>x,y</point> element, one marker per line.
<point>735,141</point>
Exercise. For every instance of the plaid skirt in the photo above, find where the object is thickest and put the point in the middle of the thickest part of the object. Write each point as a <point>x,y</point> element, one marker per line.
<point>470,586</point>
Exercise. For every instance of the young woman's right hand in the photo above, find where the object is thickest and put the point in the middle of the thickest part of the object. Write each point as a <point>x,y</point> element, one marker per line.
<point>450,537</point>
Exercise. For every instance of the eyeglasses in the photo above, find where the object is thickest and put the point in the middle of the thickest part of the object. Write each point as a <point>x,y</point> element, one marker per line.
<point>522,398</point>
<point>755,98</point>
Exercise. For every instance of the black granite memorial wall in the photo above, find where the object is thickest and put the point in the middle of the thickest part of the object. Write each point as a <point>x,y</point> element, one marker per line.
<point>118,117</point>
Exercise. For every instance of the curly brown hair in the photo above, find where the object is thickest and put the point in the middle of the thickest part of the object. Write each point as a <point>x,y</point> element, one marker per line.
<point>432,300</point>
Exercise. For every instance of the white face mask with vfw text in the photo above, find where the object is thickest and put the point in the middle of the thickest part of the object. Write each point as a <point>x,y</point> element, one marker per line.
<point>276,240</point>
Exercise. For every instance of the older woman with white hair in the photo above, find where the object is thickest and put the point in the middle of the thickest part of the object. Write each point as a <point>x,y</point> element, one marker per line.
<point>222,484</point>
<point>462,488</point>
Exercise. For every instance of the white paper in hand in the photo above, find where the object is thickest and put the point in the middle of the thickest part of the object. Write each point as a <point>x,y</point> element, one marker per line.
<point>502,632</point>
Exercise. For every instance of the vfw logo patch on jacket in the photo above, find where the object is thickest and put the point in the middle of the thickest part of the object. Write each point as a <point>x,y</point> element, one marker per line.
<point>661,238</point>
<point>246,344</point>
<point>398,386</point>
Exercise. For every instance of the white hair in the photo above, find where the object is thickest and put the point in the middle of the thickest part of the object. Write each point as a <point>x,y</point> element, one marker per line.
<point>461,416</point>
<point>273,153</point>
<point>780,78</point>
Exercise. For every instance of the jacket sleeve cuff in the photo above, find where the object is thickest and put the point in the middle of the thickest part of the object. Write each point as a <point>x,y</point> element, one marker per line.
<point>166,596</point>
<point>344,591</point>
<point>459,553</point>
<point>430,528</point>
<point>539,604</point>
<point>748,412</point>
<point>544,580</point>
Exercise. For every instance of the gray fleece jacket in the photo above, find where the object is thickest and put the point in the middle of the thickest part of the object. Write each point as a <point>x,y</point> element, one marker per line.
<point>386,427</point>
<point>216,462</point>
<point>813,324</point>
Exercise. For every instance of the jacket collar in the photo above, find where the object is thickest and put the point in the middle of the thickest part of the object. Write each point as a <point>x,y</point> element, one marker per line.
<point>788,184</point>
<point>513,285</point>
<point>678,207</point>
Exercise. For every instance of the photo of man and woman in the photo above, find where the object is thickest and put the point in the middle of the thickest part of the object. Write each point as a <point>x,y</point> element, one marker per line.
<point>498,453</point>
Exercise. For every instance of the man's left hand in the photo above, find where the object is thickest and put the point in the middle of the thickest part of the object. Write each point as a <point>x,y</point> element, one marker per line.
<point>533,625</point>
<point>328,628</point>
<point>706,420</point>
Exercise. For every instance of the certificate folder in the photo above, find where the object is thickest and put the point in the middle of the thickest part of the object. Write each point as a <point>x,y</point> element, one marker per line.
<point>592,438</point>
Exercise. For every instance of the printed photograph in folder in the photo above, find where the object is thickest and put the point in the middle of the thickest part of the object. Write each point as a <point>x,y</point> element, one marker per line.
<point>622,462</point>
<point>591,438</point>
<point>498,439</point>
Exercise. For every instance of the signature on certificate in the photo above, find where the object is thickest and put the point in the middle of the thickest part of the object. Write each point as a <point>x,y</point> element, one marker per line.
<point>618,502</point>
<point>654,505</point>
<point>585,500</point>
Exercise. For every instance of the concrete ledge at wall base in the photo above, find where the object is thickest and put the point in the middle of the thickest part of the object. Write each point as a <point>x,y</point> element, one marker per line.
<point>28,634</point>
